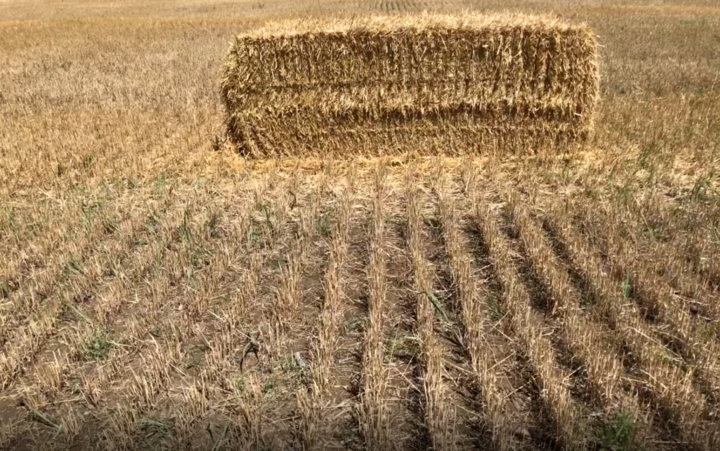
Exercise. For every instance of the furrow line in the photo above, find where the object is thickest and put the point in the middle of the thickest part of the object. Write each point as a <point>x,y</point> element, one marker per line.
<point>499,405</point>
<point>691,336</point>
<point>660,370</point>
<point>164,381</point>
<point>46,385</point>
<point>186,248</point>
<point>25,343</point>
<point>313,405</point>
<point>440,414</point>
<point>373,417</point>
<point>587,339</point>
<point>569,416</point>
<point>95,379</point>
<point>14,277</point>
<point>671,263</point>
<point>34,290</point>
<point>277,305</point>
<point>74,343</point>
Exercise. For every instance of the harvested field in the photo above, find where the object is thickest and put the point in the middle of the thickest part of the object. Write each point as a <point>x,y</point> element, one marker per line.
<point>429,84</point>
<point>157,293</point>
<point>452,303</point>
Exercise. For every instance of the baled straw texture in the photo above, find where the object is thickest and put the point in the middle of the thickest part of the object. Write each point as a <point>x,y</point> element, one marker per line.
<point>427,84</point>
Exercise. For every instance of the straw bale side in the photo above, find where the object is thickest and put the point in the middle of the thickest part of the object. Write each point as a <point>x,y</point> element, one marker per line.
<point>427,84</point>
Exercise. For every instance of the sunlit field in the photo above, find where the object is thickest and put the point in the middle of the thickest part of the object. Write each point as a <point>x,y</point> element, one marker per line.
<point>160,291</point>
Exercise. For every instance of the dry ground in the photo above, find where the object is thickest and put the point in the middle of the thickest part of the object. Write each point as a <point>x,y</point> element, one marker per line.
<point>155,293</point>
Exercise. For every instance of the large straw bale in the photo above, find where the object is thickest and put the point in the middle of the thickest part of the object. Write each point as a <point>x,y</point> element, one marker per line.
<point>427,84</point>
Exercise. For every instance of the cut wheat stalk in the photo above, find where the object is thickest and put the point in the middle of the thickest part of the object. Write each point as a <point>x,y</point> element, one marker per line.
<point>312,405</point>
<point>9,433</point>
<point>233,317</point>
<point>309,418</point>
<point>162,365</point>
<point>239,339</point>
<point>282,316</point>
<point>81,244</point>
<point>439,412</point>
<point>663,372</point>
<point>118,435</point>
<point>569,416</point>
<point>75,341</point>
<point>586,338</point>
<point>287,302</point>
<point>698,343</point>
<point>267,341</point>
<point>29,240</point>
<point>374,421</point>
<point>496,398</point>
<point>249,417</point>
<point>670,258</point>
<point>427,83</point>
<point>700,298</point>
<point>26,342</point>
<point>687,257</point>
<point>154,376</point>
<point>332,306</point>
<point>583,336</point>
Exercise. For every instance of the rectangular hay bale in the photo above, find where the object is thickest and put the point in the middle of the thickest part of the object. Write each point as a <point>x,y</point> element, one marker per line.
<point>428,84</point>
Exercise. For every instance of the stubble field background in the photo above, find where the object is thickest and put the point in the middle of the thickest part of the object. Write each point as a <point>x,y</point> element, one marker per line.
<point>158,293</point>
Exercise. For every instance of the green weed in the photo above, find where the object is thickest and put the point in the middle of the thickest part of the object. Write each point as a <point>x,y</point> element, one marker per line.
<point>4,289</point>
<point>618,434</point>
<point>627,288</point>
<point>99,346</point>
<point>323,225</point>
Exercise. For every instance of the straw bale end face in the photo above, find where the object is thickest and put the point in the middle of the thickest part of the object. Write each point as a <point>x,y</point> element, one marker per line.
<point>427,84</point>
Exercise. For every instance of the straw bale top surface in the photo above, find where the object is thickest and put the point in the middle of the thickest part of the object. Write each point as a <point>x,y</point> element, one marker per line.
<point>389,24</point>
